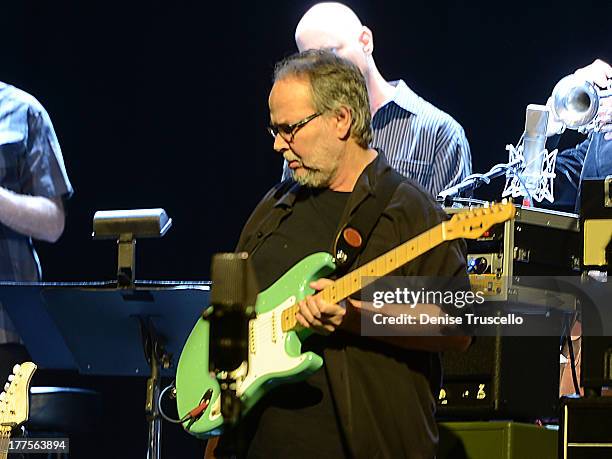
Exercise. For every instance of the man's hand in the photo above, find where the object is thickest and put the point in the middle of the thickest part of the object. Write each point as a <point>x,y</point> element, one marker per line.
<point>605,117</point>
<point>325,318</point>
<point>599,73</point>
<point>315,313</point>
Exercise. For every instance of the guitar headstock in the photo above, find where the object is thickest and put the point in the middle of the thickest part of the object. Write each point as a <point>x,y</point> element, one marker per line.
<point>473,223</point>
<point>14,401</point>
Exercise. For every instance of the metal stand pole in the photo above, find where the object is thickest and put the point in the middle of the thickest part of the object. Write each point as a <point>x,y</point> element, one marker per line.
<point>152,411</point>
<point>158,358</point>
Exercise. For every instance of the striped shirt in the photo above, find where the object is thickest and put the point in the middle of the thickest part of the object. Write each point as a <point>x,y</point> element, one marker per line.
<point>31,163</point>
<point>421,141</point>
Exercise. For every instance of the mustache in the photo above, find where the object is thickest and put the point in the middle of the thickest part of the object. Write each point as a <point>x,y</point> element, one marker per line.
<point>289,157</point>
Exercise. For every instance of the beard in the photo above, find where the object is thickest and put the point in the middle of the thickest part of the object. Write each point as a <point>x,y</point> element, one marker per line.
<point>311,177</point>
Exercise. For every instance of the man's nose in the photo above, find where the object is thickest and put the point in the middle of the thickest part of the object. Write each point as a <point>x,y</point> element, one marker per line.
<point>280,144</point>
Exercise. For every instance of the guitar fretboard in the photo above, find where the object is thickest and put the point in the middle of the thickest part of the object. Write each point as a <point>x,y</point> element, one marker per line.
<point>354,281</point>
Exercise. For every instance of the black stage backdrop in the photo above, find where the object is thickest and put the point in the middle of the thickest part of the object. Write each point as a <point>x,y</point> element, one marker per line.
<point>164,104</point>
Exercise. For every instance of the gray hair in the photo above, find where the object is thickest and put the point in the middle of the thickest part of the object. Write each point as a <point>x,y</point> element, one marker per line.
<point>334,82</point>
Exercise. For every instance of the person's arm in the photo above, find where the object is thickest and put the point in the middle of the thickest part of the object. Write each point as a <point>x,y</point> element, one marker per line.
<point>36,216</point>
<point>325,318</point>
<point>453,159</point>
<point>35,206</point>
<point>599,73</point>
<point>605,117</point>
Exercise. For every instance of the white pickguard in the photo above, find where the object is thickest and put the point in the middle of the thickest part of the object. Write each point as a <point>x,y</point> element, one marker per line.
<point>267,353</point>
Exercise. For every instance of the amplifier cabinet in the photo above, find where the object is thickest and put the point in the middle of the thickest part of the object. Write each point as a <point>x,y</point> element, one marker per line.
<point>496,440</point>
<point>585,428</point>
<point>506,376</point>
<point>537,242</point>
<point>509,377</point>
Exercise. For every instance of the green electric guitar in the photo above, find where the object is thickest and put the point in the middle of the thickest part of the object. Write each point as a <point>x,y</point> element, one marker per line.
<point>275,355</point>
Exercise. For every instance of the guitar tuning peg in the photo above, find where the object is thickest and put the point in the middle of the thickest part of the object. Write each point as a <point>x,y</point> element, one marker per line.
<point>11,378</point>
<point>16,368</point>
<point>2,395</point>
<point>6,387</point>
<point>487,204</point>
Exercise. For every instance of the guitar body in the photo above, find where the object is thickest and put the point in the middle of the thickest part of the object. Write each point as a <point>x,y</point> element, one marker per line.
<point>275,356</point>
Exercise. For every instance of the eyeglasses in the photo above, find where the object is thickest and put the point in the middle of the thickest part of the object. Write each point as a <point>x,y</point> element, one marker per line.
<point>288,131</point>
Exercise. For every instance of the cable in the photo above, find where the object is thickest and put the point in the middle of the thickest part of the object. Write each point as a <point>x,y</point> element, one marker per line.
<point>159,407</point>
<point>475,180</point>
<point>570,347</point>
<point>194,413</point>
<point>520,179</point>
<point>469,201</point>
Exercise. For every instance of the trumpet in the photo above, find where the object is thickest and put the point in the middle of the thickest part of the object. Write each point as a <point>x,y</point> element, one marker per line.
<point>575,102</point>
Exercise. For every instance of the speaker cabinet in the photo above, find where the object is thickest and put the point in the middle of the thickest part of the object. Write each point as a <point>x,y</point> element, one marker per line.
<point>495,440</point>
<point>501,378</point>
<point>585,429</point>
<point>596,362</point>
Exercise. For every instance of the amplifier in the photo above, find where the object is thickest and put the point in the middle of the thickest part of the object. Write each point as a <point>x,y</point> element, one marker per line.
<point>501,378</point>
<point>496,440</point>
<point>513,377</point>
<point>596,215</point>
<point>537,242</point>
<point>585,428</point>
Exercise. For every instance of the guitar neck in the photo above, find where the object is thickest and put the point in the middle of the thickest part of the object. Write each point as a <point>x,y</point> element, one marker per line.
<point>354,281</point>
<point>5,436</point>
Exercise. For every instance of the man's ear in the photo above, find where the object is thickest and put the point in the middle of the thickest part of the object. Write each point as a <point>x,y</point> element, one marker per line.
<point>367,40</point>
<point>344,119</point>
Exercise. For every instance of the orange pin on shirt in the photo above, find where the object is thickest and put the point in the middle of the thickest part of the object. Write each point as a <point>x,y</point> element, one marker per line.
<point>352,237</point>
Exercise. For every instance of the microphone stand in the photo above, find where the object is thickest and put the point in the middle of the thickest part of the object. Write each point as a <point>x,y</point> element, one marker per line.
<point>233,296</point>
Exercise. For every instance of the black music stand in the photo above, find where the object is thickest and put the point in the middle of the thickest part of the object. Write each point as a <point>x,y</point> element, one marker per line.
<point>99,329</point>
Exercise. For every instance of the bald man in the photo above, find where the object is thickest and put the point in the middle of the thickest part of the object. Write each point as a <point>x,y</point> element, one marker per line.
<point>419,140</point>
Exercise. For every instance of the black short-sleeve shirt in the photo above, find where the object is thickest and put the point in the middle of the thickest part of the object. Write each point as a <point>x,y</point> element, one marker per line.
<point>380,396</point>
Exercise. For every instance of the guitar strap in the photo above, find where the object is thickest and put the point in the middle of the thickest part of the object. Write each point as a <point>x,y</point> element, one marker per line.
<point>349,242</point>
<point>353,236</point>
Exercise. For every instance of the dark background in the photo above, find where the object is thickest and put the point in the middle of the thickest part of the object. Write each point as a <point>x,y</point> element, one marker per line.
<point>164,104</point>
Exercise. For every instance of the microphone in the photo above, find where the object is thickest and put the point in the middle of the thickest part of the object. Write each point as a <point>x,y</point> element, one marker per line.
<point>232,298</point>
<point>534,142</point>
